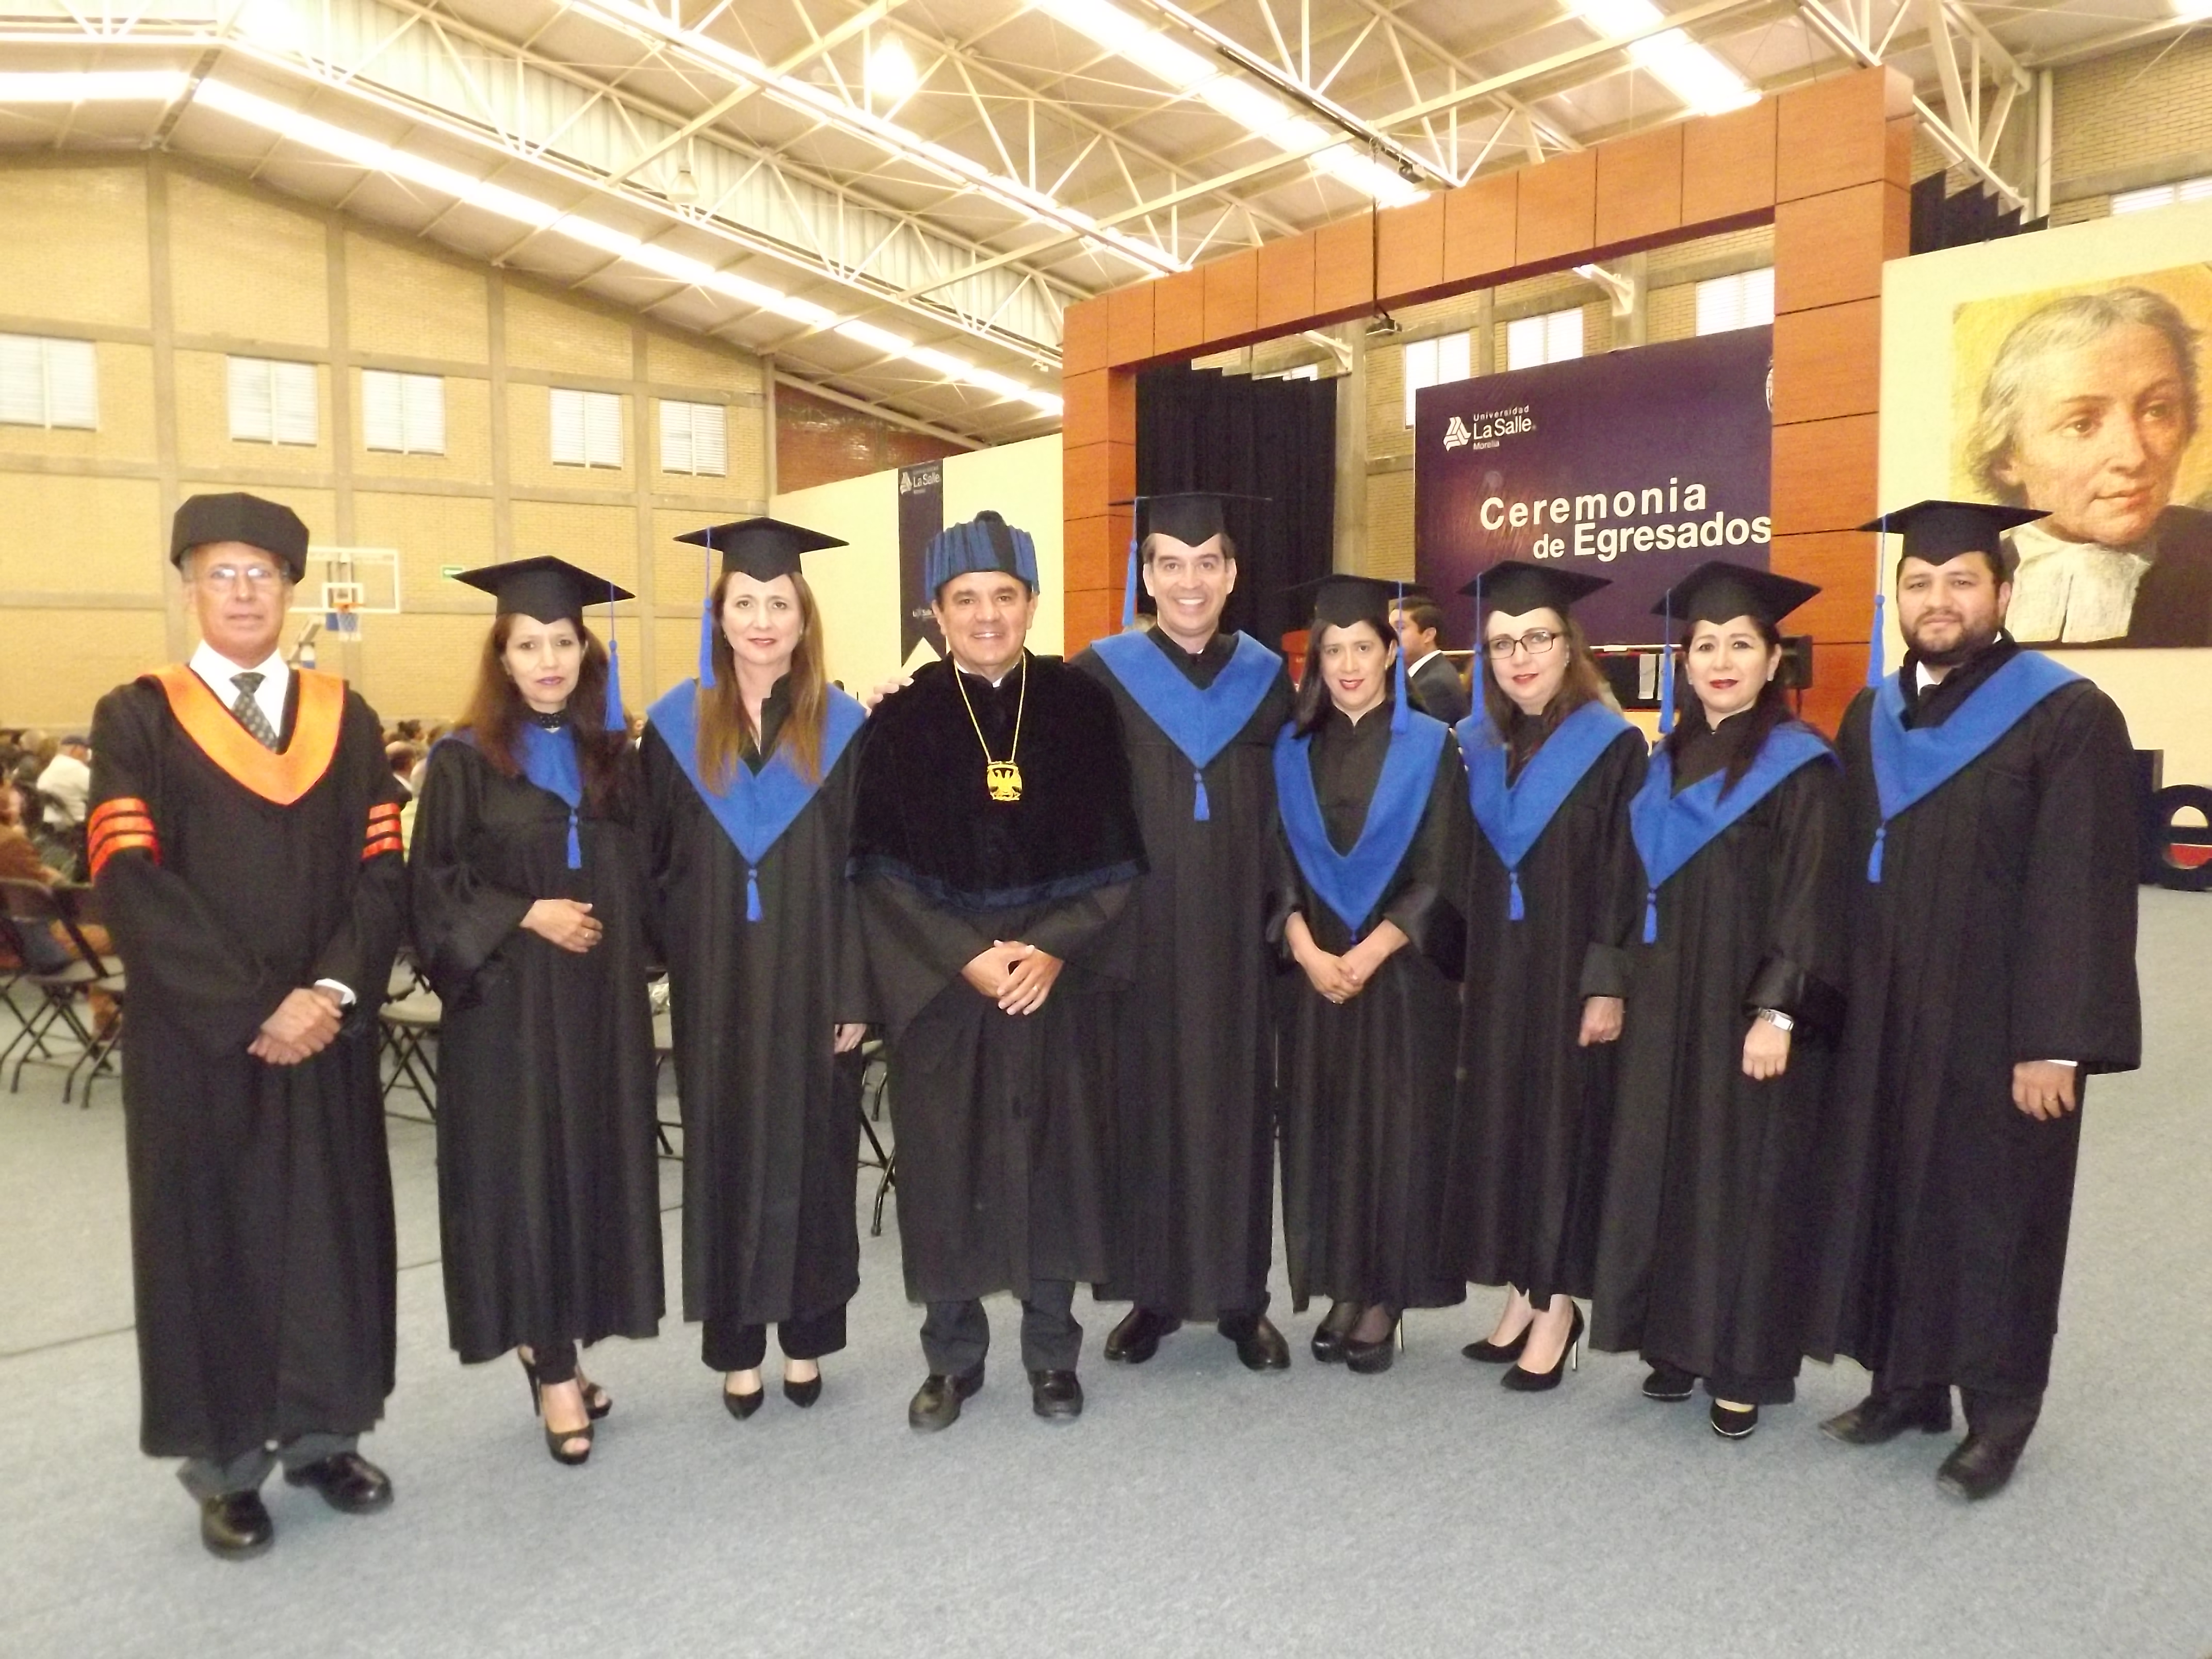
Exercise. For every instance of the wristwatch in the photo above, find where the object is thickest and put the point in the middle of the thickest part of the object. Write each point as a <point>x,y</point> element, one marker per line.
<point>1778,1019</point>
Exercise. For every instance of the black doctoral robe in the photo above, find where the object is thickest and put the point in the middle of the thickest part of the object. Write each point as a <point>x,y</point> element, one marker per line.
<point>548,1187</point>
<point>1536,1117</point>
<point>771,1114</point>
<point>261,1224</point>
<point>1368,1095</point>
<point>1002,1119</point>
<point>1704,1241</point>
<point>2002,930</point>
<point>1194,1126</point>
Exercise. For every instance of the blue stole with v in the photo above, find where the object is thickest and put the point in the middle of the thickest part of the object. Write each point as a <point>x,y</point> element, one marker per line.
<point>757,807</point>
<point>1670,829</point>
<point>1514,816</point>
<point>1200,723</point>
<point>1352,884</point>
<point>1911,764</point>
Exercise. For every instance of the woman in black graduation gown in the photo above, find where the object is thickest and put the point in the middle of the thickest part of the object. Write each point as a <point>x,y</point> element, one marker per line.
<point>1372,847</point>
<point>528,883</point>
<point>1733,966</point>
<point>748,775</point>
<point>1552,767</point>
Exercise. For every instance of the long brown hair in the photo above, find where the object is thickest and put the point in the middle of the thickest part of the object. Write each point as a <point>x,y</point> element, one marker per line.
<point>1584,681</point>
<point>725,725</point>
<point>1314,702</point>
<point>1760,719</point>
<point>496,713</point>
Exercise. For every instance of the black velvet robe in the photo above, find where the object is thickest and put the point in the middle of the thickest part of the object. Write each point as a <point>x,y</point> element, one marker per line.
<point>261,1224</point>
<point>2003,930</point>
<point>1368,1095</point>
<point>1003,1120</point>
<point>549,1188</point>
<point>1536,1117</point>
<point>1703,1248</point>
<point>1195,1125</point>
<point>771,1116</point>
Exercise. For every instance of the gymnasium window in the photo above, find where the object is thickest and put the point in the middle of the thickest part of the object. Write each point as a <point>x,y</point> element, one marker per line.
<point>272,402</point>
<point>1556,336</point>
<point>1434,362</point>
<point>694,439</point>
<point>1745,299</point>
<point>403,414</point>
<point>47,382</point>
<point>586,427</point>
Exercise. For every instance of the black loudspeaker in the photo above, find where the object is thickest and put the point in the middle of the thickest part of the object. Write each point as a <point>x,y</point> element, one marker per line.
<point>1796,673</point>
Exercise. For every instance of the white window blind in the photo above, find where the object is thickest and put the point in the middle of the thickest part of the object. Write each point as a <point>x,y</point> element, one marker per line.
<point>2159,196</point>
<point>403,414</point>
<point>272,402</point>
<point>695,439</point>
<point>48,382</point>
<point>1435,362</point>
<point>586,427</point>
<point>1554,337</point>
<point>1745,299</point>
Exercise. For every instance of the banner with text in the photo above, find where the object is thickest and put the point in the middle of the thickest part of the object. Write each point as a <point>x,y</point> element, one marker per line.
<point>1637,465</point>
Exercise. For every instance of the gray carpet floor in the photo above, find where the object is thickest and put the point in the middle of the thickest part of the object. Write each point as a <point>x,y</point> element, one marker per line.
<point>1194,1509</point>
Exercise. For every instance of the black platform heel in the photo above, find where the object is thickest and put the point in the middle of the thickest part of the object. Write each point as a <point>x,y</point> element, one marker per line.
<point>557,1440</point>
<point>1371,1359</point>
<point>1523,1381</point>
<point>1332,1336</point>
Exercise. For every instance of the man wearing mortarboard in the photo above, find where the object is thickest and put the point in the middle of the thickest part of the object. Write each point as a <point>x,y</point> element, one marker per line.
<point>243,835</point>
<point>994,842</point>
<point>1990,796</point>
<point>1194,1139</point>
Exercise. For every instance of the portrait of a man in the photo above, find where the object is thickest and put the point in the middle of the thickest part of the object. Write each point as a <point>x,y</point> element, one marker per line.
<point>2088,410</point>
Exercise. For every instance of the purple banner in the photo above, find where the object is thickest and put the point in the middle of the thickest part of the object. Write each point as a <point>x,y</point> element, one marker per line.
<point>1637,465</point>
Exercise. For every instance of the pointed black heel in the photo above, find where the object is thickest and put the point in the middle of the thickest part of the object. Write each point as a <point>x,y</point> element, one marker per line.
<point>1522,1381</point>
<point>741,1406</point>
<point>803,1394</point>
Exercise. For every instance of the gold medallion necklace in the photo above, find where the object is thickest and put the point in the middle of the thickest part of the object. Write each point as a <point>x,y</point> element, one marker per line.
<point>1002,778</point>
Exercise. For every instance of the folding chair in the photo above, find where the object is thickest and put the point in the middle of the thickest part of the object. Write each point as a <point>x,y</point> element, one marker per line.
<point>407,1035</point>
<point>876,1082</point>
<point>30,905</point>
<point>15,970</point>
<point>664,1050</point>
<point>80,909</point>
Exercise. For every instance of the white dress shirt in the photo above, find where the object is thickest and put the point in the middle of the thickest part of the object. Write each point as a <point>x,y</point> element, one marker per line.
<point>1413,668</point>
<point>68,780</point>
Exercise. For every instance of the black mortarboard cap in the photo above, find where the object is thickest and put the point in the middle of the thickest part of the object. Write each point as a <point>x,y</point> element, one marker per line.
<point>1516,587</point>
<point>1190,516</point>
<point>276,529</point>
<point>1940,532</point>
<point>545,587</point>
<point>1718,592</point>
<point>1339,601</point>
<point>763,549</point>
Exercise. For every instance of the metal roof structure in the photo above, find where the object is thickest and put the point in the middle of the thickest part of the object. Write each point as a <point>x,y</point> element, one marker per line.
<point>896,198</point>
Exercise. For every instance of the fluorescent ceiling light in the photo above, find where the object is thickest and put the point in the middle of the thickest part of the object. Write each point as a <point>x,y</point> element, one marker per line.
<point>94,86</point>
<point>890,71</point>
<point>1258,111</point>
<point>1690,71</point>
<point>369,154</point>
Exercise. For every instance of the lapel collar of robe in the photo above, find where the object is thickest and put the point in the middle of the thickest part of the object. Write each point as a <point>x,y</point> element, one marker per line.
<point>1514,816</point>
<point>1200,723</point>
<point>1671,829</point>
<point>1910,765</point>
<point>1352,884</point>
<point>757,807</point>
<point>277,775</point>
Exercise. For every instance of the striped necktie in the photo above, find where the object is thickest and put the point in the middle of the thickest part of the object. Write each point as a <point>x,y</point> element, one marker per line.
<point>249,712</point>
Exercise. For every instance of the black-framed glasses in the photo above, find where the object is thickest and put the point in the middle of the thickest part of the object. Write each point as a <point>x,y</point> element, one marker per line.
<point>1537,643</point>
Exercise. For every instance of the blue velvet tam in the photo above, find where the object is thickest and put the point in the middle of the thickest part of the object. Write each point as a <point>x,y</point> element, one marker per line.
<point>986,542</point>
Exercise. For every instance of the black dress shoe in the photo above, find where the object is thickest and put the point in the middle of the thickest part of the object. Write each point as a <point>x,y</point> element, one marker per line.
<point>1668,1382</point>
<point>803,1394</point>
<point>1137,1338</point>
<point>1520,1380</point>
<point>1881,1418</point>
<point>1333,1336</point>
<point>741,1406</point>
<point>236,1527</point>
<point>1259,1344</point>
<point>1056,1396</point>
<point>936,1403</point>
<point>1980,1466</point>
<point>1733,1424</point>
<point>348,1482</point>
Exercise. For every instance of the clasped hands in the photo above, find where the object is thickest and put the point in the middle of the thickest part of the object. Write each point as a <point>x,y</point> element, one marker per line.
<point>1018,977</point>
<point>305,1024</point>
<point>1340,978</point>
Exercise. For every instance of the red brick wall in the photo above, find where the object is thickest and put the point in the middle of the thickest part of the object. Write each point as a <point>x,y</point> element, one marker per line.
<point>818,442</point>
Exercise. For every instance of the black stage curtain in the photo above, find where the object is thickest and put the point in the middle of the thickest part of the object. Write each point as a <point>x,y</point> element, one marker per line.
<point>1201,429</point>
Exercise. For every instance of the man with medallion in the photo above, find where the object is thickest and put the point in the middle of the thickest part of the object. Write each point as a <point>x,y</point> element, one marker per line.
<point>994,842</point>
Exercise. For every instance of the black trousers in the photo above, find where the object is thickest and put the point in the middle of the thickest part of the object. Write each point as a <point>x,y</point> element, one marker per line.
<point>728,1346</point>
<point>2010,1416</point>
<point>205,1478</point>
<point>956,1335</point>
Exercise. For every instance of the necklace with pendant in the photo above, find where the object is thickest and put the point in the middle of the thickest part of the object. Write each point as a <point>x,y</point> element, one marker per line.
<point>1002,778</point>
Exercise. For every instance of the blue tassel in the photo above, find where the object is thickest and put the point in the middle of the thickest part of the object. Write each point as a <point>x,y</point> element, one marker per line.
<point>1873,858</point>
<point>1401,717</point>
<point>1651,915</point>
<point>575,847</point>
<point>707,626</point>
<point>1200,811</point>
<point>617,718</point>
<point>1514,909</point>
<point>1667,667</point>
<point>752,896</point>
<point>1129,586</point>
<point>1874,643</point>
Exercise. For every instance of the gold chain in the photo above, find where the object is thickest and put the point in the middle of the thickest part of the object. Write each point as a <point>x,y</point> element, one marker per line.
<point>1003,778</point>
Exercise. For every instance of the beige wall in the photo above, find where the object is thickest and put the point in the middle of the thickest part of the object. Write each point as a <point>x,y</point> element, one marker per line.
<point>170,271</point>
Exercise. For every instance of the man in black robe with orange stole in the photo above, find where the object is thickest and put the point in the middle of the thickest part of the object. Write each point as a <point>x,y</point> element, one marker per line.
<point>244,839</point>
<point>994,842</point>
<point>1991,970</point>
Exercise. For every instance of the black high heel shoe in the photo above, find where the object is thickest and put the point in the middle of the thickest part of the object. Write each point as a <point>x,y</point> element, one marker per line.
<point>1332,1337</point>
<point>741,1406</point>
<point>1370,1358</point>
<point>557,1440</point>
<point>1500,1353</point>
<point>803,1394</point>
<point>1523,1381</point>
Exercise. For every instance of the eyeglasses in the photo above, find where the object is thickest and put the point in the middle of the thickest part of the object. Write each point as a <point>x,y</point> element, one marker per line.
<point>1537,641</point>
<point>259,578</point>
